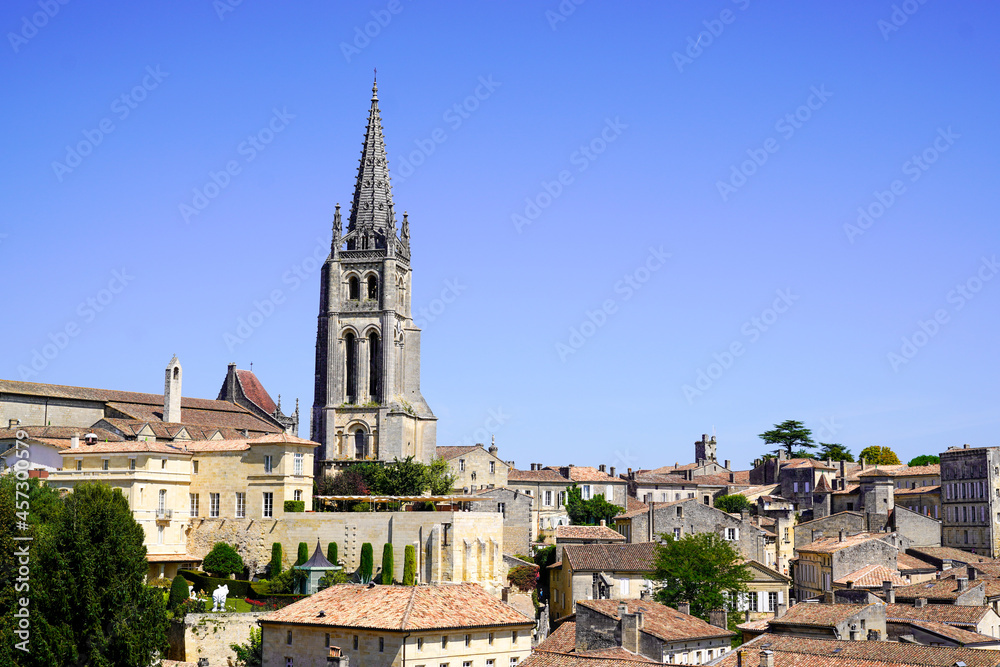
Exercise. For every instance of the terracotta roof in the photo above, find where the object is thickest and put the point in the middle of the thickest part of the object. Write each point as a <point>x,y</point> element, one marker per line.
<point>959,635</point>
<point>937,589</point>
<point>833,544</point>
<point>663,478</point>
<point>819,615</point>
<point>637,557</point>
<point>659,620</point>
<point>548,659</point>
<point>173,558</point>
<point>791,651</point>
<point>401,608</point>
<point>56,433</point>
<point>920,489</point>
<point>823,486</point>
<point>872,576</point>
<point>955,614</point>
<point>590,474</point>
<point>848,490</point>
<point>949,553</point>
<point>905,563</point>
<point>901,471</point>
<point>760,624</point>
<point>254,391</point>
<point>588,533</point>
<point>281,438</point>
<point>989,569</point>
<point>795,464</point>
<point>448,452</point>
<point>562,640</point>
<point>634,508</point>
<point>543,475</point>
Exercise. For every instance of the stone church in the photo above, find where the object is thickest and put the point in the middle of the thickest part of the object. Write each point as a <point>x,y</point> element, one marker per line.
<point>368,404</point>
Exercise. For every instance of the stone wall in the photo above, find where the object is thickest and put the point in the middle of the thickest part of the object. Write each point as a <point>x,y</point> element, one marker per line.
<point>209,636</point>
<point>47,411</point>
<point>829,526</point>
<point>920,530</point>
<point>516,517</point>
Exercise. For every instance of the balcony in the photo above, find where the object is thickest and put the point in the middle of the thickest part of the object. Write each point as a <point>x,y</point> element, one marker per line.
<point>164,515</point>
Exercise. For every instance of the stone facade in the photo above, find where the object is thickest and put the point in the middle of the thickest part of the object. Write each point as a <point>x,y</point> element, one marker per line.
<point>208,636</point>
<point>367,403</point>
<point>475,467</point>
<point>515,508</point>
<point>767,592</point>
<point>824,561</point>
<point>970,488</point>
<point>595,572</point>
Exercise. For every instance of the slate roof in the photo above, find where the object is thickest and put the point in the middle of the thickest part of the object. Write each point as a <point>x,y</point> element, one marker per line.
<point>637,557</point>
<point>401,608</point>
<point>660,621</point>
<point>819,615</point>
<point>872,576</point>
<point>588,533</point>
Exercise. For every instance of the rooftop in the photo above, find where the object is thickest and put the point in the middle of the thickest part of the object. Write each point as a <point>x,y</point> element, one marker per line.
<point>819,615</point>
<point>588,533</point>
<point>638,557</point>
<point>834,544</point>
<point>955,614</point>
<point>872,576</point>
<point>660,621</point>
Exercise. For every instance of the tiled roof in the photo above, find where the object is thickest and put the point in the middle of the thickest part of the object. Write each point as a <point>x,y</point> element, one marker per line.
<point>791,651</point>
<point>938,589</point>
<point>590,474</point>
<point>823,486</point>
<point>794,464</point>
<point>127,447</point>
<point>255,392</point>
<point>402,608</point>
<point>659,620</point>
<point>872,576</point>
<point>848,490</point>
<point>548,659</point>
<point>955,614</point>
<point>833,544</point>
<point>562,640</point>
<point>905,562</point>
<point>448,452</point>
<point>819,615</point>
<point>543,475</point>
<point>243,444</point>
<point>955,634</point>
<point>758,625</point>
<point>131,428</point>
<point>55,433</point>
<point>633,508</point>
<point>989,569</point>
<point>173,558</point>
<point>588,533</point>
<point>902,471</point>
<point>637,557</point>
<point>662,478</point>
<point>920,489</point>
<point>949,553</point>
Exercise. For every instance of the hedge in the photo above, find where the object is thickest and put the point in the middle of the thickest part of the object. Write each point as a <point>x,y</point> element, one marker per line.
<point>238,588</point>
<point>295,506</point>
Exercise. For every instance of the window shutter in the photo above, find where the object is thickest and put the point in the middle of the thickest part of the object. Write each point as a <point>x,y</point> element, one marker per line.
<point>781,596</point>
<point>737,533</point>
<point>761,600</point>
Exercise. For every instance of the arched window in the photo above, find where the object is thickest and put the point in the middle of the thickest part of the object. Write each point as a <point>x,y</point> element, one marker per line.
<point>351,352</point>
<point>353,289</point>
<point>177,372</point>
<point>372,287</point>
<point>162,502</point>
<point>359,444</point>
<point>375,368</point>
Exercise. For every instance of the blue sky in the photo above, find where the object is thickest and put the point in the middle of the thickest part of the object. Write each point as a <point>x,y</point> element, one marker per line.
<point>632,223</point>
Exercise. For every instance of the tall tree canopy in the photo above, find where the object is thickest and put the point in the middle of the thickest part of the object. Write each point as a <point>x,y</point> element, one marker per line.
<point>924,460</point>
<point>701,569</point>
<point>834,452</point>
<point>589,512</point>
<point>789,435</point>
<point>406,477</point>
<point>881,456</point>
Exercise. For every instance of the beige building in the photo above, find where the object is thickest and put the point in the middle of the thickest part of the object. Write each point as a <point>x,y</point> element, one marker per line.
<point>599,572</point>
<point>457,625</point>
<point>826,560</point>
<point>767,591</point>
<point>474,467</point>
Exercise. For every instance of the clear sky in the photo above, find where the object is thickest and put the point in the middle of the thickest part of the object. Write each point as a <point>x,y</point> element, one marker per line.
<point>633,223</point>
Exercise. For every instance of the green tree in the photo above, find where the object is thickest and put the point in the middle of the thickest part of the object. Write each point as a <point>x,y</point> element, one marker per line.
<point>387,564</point>
<point>440,479</point>
<point>880,456</point>
<point>701,569</point>
<point>331,552</point>
<point>332,578</point>
<point>789,435</point>
<point>589,512</point>
<point>734,502</point>
<point>222,561</point>
<point>410,565</point>
<point>178,592</point>
<point>303,554</point>
<point>924,460</point>
<point>250,654</point>
<point>367,562</point>
<point>90,605</point>
<point>834,452</point>
<point>405,478</point>
<point>289,581</point>
<point>276,560</point>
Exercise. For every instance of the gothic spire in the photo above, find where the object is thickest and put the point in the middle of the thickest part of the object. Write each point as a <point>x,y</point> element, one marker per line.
<point>371,211</point>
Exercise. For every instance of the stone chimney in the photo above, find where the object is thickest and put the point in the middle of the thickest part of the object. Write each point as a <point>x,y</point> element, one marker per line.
<point>74,441</point>
<point>963,583</point>
<point>603,468</point>
<point>684,608</point>
<point>611,471</point>
<point>603,523</point>
<point>172,392</point>
<point>780,610</point>
<point>732,476</point>
<point>862,463</point>
<point>842,536</point>
<point>889,591</point>
<point>631,624</point>
<point>767,659</point>
<point>719,618</point>
<point>920,603</point>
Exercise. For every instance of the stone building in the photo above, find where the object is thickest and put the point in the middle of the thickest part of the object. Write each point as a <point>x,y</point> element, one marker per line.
<point>515,508</point>
<point>832,621</point>
<point>385,626</point>
<point>599,572</point>
<point>976,619</point>
<point>368,404</point>
<point>827,559</point>
<point>475,467</point>
<point>970,499</point>
<point>243,388</point>
<point>767,594</point>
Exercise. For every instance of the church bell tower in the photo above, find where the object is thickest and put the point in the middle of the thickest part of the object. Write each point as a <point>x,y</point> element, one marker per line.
<point>368,404</point>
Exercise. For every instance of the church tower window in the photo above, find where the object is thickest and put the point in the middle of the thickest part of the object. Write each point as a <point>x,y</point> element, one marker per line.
<point>351,351</point>
<point>372,287</point>
<point>359,444</point>
<point>353,289</point>
<point>374,367</point>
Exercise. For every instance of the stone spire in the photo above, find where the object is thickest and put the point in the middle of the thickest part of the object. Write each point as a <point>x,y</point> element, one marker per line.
<point>372,210</point>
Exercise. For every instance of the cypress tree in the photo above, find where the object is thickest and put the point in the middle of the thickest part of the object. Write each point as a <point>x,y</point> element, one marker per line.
<point>331,552</point>
<point>276,560</point>
<point>409,565</point>
<point>303,553</point>
<point>367,562</point>
<point>387,564</point>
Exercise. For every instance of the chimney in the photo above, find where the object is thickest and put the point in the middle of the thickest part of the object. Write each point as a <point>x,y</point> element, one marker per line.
<point>732,475</point>
<point>843,469</point>
<point>74,441</point>
<point>862,463</point>
<point>612,471</point>
<point>842,536</point>
<point>767,659</point>
<point>603,523</point>
<point>741,659</point>
<point>780,610</point>
<point>172,392</point>
<point>963,583</point>
<point>965,446</point>
<point>603,468</point>
<point>745,514</point>
<point>630,629</point>
<point>202,662</point>
<point>719,618</point>
<point>505,594</point>
<point>889,591</point>
<point>727,464</point>
<point>622,610</point>
<point>684,608</point>
<point>920,603</point>
<point>854,633</point>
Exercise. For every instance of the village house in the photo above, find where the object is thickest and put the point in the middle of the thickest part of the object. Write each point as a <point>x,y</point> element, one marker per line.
<point>475,467</point>
<point>548,486</point>
<point>828,559</point>
<point>599,572</point>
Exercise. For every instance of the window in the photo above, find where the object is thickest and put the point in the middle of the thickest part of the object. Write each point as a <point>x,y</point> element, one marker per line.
<point>420,643</point>
<point>807,487</point>
<point>374,368</point>
<point>772,600</point>
<point>786,535</point>
<point>327,642</point>
<point>351,359</point>
<point>548,498</point>
<point>268,504</point>
<point>585,494</point>
<point>194,467</point>
<point>355,642</point>
<point>241,505</point>
<point>493,467</point>
<point>353,291</point>
<point>381,644</point>
<point>730,534</point>
<point>444,642</point>
<point>562,498</point>
<point>753,601</point>
<point>163,464</point>
<point>677,533</point>
<point>468,641</point>
<point>626,585</point>
<point>213,505</point>
<point>288,637</point>
<point>490,662</point>
<point>461,465</point>
<point>372,287</point>
<point>79,464</point>
<point>795,487</point>
<point>680,512</point>
<point>131,463</point>
<point>299,458</point>
<point>104,464</point>
<point>194,504</point>
<point>467,663</point>
<point>491,634</point>
<point>161,505</point>
<point>298,494</point>
<point>826,581</point>
<point>513,661</point>
<point>502,508</point>
<point>513,637</point>
<point>359,444</point>
<point>289,662</point>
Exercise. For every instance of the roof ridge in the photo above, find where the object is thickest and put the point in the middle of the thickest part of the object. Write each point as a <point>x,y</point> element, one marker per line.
<point>409,608</point>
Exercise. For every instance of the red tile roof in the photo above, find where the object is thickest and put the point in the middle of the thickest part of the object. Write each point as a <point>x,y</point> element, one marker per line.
<point>949,553</point>
<point>636,557</point>
<point>448,452</point>
<point>254,391</point>
<point>562,640</point>
<point>938,589</point>
<point>56,433</point>
<point>905,563</point>
<point>127,447</point>
<point>401,608</point>
<point>955,614</point>
<point>872,576</point>
<point>543,475</point>
<point>588,533</point>
<point>964,637</point>
<point>549,659</point>
<point>660,621</point>
<point>819,615</point>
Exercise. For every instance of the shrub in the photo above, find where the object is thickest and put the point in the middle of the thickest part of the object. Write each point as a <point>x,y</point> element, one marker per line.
<point>523,577</point>
<point>733,503</point>
<point>295,506</point>
<point>190,606</point>
<point>288,582</point>
<point>367,562</point>
<point>303,553</point>
<point>387,564</point>
<point>276,558</point>
<point>159,582</point>
<point>178,592</point>
<point>331,578</point>
<point>222,561</point>
<point>409,565</point>
<point>205,584</point>
<point>331,552</point>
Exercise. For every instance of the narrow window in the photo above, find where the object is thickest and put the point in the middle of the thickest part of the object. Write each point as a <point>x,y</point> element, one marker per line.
<point>374,368</point>
<point>268,505</point>
<point>267,464</point>
<point>288,638</point>
<point>194,504</point>
<point>461,465</point>
<point>162,503</point>
<point>468,641</point>
<point>213,505</point>
<point>359,444</point>
<point>372,287</point>
<point>355,642</point>
<point>327,642</point>
<point>381,644</point>
<point>131,463</point>
<point>353,289</point>
<point>104,464</point>
<point>299,459</point>
<point>493,467</point>
<point>194,467</point>
<point>444,642</point>
<point>351,352</point>
<point>163,464</point>
<point>298,494</point>
<point>241,505</point>
<point>420,643</point>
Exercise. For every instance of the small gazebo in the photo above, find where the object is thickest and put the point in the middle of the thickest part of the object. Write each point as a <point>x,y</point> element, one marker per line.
<point>316,567</point>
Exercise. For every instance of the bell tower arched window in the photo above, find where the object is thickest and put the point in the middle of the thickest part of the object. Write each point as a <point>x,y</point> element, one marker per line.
<point>351,367</point>
<point>375,368</point>
<point>372,287</point>
<point>359,444</point>
<point>353,289</point>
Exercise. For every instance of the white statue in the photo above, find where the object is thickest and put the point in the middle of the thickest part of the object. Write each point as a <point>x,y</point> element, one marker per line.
<point>191,591</point>
<point>219,598</point>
